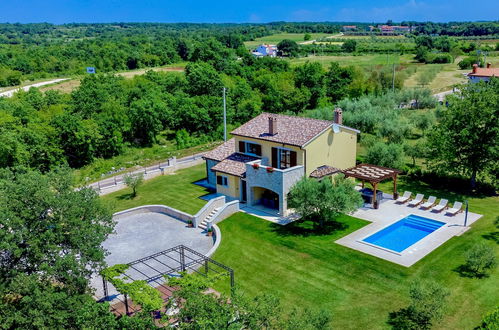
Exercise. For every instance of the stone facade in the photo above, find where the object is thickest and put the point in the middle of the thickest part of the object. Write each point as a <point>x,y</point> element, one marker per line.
<point>278,181</point>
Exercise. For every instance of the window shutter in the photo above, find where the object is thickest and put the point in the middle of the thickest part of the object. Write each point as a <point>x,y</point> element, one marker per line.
<point>274,157</point>
<point>293,158</point>
<point>258,150</point>
<point>219,180</point>
<point>242,146</point>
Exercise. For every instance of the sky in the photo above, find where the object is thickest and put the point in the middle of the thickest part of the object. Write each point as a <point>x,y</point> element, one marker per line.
<point>237,11</point>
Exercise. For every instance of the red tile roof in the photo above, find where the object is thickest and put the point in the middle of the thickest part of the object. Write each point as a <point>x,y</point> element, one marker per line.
<point>323,171</point>
<point>234,164</point>
<point>222,151</point>
<point>485,72</point>
<point>291,130</point>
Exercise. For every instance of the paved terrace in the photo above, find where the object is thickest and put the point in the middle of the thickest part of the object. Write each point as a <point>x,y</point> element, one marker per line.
<point>390,212</point>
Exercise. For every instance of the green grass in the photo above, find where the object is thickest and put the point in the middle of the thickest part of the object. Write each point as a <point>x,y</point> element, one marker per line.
<point>359,290</point>
<point>133,157</point>
<point>176,190</point>
<point>276,38</point>
<point>361,60</point>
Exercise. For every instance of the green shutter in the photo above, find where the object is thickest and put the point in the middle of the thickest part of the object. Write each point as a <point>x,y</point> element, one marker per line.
<point>219,180</point>
<point>258,150</point>
<point>242,146</point>
<point>274,157</point>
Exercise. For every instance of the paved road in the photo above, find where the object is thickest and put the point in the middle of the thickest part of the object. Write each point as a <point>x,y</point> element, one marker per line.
<point>11,92</point>
<point>116,182</point>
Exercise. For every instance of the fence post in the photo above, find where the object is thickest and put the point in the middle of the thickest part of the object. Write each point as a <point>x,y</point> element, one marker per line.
<point>115,182</point>
<point>126,305</point>
<point>206,266</point>
<point>182,258</point>
<point>104,288</point>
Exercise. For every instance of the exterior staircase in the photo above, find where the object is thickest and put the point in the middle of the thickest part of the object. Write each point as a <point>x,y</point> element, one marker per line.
<point>204,224</point>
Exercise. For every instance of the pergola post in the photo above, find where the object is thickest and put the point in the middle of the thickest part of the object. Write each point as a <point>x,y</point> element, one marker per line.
<point>395,193</point>
<point>375,201</point>
<point>362,184</point>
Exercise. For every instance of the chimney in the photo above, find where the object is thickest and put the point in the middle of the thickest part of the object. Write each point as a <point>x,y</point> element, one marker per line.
<point>338,116</point>
<point>488,65</point>
<point>272,125</point>
<point>475,66</point>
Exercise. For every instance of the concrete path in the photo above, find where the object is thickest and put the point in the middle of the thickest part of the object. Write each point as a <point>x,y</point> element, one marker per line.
<point>26,88</point>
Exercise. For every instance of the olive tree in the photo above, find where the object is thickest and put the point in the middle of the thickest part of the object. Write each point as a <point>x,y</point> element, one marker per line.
<point>133,181</point>
<point>323,201</point>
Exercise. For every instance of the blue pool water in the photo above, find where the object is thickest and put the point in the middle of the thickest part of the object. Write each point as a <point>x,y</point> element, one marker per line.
<point>404,233</point>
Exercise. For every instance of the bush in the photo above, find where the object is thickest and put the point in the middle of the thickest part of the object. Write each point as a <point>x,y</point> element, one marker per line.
<point>491,320</point>
<point>428,300</point>
<point>388,155</point>
<point>467,63</point>
<point>479,259</point>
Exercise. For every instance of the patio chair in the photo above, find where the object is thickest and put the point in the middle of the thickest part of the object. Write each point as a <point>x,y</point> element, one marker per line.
<point>416,201</point>
<point>404,198</point>
<point>429,203</point>
<point>442,205</point>
<point>455,209</point>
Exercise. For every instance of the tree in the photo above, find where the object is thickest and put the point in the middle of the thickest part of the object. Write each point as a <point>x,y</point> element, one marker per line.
<point>201,310</point>
<point>428,300</point>
<point>288,47</point>
<point>323,201</point>
<point>311,76</point>
<point>336,81</point>
<point>388,155</point>
<point>349,46</point>
<point>203,79</point>
<point>465,140</point>
<point>414,151</point>
<point>480,259</point>
<point>55,231</point>
<point>490,321</point>
<point>133,181</point>
<point>307,37</point>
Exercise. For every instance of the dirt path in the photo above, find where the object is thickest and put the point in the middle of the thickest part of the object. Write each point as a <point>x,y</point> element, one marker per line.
<point>26,88</point>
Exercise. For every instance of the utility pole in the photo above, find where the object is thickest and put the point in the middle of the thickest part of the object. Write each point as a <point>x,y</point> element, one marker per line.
<point>225,117</point>
<point>393,77</point>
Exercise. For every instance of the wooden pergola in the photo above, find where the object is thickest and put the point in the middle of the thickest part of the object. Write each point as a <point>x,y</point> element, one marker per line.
<point>373,174</point>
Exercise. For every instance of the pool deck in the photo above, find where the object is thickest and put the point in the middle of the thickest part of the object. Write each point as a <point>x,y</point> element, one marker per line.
<point>390,212</point>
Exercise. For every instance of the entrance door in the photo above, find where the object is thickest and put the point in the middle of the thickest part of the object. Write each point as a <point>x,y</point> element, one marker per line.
<point>244,191</point>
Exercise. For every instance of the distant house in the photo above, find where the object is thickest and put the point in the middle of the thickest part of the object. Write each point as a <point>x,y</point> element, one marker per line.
<point>482,74</point>
<point>347,28</point>
<point>265,50</point>
<point>395,29</point>
<point>270,153</point>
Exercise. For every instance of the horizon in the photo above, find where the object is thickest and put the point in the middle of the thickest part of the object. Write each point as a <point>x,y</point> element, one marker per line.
<point>224,12</point>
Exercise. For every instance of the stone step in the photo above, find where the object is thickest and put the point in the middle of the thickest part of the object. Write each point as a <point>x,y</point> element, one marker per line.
<point>202,226</point>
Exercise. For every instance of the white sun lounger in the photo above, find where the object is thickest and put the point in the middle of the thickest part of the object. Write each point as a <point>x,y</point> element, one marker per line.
<point>442,205</point>
<point>416,201</point>
<point>429,203</point>
<point>455,209</point>
<point>405,197</point>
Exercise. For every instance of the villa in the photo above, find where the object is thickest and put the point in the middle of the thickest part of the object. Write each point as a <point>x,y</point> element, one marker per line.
<point>270,153</point>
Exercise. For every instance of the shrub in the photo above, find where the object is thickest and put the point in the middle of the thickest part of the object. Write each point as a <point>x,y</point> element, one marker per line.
<point>468,62</point>
<point>491,320</point>
<point>479,259</point>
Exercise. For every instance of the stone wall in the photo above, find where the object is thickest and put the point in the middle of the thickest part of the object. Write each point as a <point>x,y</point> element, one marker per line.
<point>155,208</point>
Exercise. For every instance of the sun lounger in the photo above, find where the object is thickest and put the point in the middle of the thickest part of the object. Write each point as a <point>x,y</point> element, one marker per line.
<point>442,205</point>
<point>429,203</point>
<point>416,201</point>
<point>404,198</point>
<point>455,209</point>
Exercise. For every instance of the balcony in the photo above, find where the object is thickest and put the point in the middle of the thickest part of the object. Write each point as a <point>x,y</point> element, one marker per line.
<point>280,181</point>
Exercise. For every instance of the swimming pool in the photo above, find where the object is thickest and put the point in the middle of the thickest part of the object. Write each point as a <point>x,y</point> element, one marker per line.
<point>403,233</point>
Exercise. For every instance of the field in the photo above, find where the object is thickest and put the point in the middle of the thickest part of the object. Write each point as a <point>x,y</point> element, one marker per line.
<point>361,60</point>
<point>308,270</point>
<point>69,85</point>
<point>276,38</point>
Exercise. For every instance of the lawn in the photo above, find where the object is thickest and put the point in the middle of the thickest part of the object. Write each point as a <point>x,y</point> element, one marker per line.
<point>177,191</point>
<point>274,39</point>
<point>309,270</point>
<point>361,60</point>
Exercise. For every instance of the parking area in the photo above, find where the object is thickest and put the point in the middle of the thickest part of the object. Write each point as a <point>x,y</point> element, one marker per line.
<point>142,234</point>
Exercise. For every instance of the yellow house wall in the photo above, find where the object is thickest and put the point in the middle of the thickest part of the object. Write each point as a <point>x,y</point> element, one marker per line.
<point>267,148</point>
<point>333,149</point>
<point>234,186</point>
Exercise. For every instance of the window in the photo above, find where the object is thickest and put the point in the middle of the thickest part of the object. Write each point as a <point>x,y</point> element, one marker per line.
<point>283,158</point>
<point>222,180</point>
<point>250,148</point>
